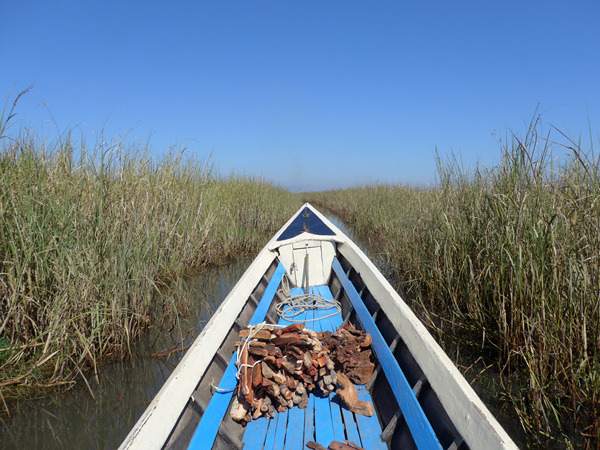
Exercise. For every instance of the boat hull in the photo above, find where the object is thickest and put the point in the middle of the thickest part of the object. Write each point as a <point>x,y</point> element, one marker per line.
<point>455,414</point>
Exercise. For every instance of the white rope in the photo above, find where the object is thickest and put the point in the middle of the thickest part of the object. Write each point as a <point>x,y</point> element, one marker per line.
<point>294,305</point>
<point>253,330</point>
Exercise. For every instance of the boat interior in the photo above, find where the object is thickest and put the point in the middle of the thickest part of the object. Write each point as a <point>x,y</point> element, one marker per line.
<point>408,411</point>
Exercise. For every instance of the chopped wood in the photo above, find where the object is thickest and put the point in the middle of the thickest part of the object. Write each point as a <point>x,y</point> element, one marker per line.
<point>238,411</point>
<point>256,375</point>
<point>279,378</point>
<point>346,445</point>
<point>295,327</point>
<point>259,334</point>
<point>262,352</point>
<point>287,338</point>
<point>349,396</point>
<point>288,367</point>
<point>266,370</point>
<point>293,361</point>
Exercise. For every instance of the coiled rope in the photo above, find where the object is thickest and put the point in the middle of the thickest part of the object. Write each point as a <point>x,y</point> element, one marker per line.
<point>294,305</point>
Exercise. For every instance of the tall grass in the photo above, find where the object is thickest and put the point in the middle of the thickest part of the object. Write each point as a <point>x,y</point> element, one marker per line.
<point>511,254</point>
<point>88,237</point>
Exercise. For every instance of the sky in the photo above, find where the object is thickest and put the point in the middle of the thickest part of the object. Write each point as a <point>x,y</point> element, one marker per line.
<point>309,94</point>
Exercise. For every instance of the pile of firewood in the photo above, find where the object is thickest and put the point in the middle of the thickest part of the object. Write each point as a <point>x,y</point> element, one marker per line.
<point>349,350</point>
<point>279,367</point>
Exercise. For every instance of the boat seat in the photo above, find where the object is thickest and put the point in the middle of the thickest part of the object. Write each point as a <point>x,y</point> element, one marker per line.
<point>415,417</point>
<point>217,408</point>
<point>325,419</point>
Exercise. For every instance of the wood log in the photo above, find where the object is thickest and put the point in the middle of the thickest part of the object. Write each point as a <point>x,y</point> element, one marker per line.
<point>307,360</point>
<point>257,351</point>
<point>246,376</point>
<point>292,383</point>
<point>346,445</point>
<point>311,333</point>
<point>284,390</point>
<point>260,334</point>
<point>266,370</point>
<point>256,375</point>
<point>287,338</point>
<point>349,396</point>
<point>279,378</point>
<point>270,359</point>
<point>288,367</point>
<point>303,402</point>
<point>257,409</point>
<point>295,327</point>
<point>295,351</point>
<point>272,350</point>
<point>322,360</point>
<point>281,400</point>
<point>238,411</point>
<point>273,390</point>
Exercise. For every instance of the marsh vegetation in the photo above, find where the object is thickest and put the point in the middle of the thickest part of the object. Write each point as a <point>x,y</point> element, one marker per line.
<point>91,237</point>
<point>507,260</point>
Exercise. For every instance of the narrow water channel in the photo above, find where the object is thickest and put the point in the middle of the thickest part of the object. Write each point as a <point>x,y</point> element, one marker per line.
<point>122,390</point>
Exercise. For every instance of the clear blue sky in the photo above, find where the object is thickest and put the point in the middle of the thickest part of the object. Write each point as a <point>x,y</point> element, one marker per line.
<point>310,94</point>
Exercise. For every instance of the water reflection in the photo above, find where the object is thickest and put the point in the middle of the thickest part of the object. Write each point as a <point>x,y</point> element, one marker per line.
<point>122,390</point>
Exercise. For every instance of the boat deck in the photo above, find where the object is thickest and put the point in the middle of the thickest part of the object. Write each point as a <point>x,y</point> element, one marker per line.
<point>325,420</point>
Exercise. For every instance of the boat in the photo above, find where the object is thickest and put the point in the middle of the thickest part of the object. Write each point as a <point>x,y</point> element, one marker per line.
<point>420,398</point>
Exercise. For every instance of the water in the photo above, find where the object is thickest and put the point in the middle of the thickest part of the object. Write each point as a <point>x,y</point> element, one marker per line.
<point>122,390</point>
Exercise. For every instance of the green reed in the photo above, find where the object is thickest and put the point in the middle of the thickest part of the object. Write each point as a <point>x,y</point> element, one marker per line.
<point>90,239</point>
<point>510,253</point>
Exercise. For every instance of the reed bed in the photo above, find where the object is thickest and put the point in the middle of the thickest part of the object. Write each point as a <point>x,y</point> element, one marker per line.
<point>507,257</point>
<point>90,239</point>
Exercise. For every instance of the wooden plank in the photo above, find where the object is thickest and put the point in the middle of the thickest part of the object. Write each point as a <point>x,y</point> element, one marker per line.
<point>256,433</point>
<point>420,428</point>
<point>280,430</point>
<point>270,436</point>
<point>369,427</point>
<point>309,421</point>
<point>217,408</point>
<point>324,432</point>
<point>331,323</point>
<point>349,422</point>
